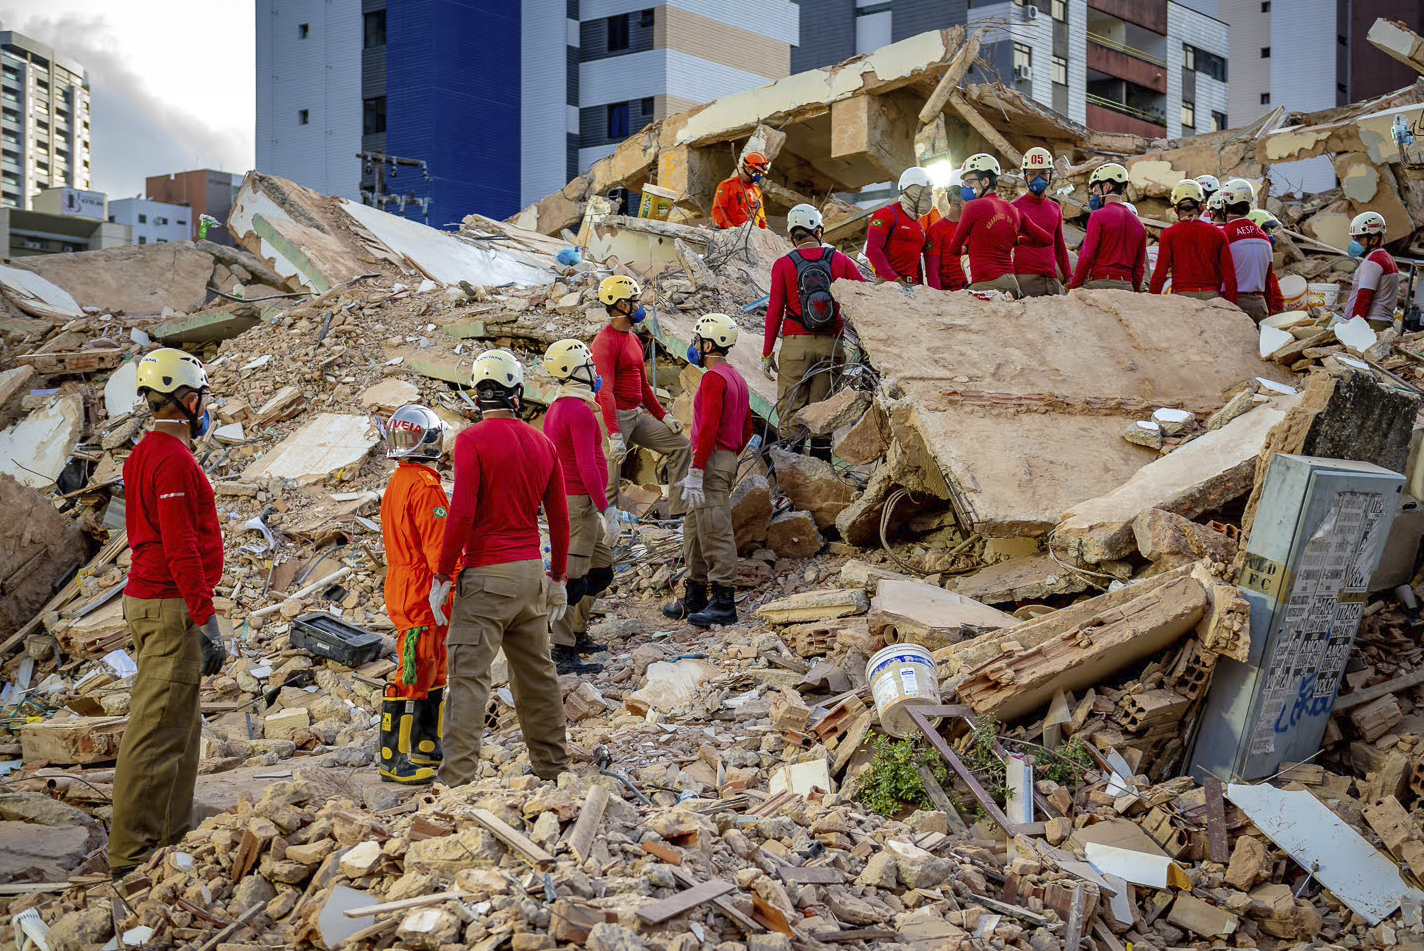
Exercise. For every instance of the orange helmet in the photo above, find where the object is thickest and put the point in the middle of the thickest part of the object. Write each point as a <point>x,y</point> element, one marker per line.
<point>755,162</point>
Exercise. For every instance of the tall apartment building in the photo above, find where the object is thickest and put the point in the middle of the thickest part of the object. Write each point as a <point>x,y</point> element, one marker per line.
<point>44,121</point>
<point>502,101</point>
<point>1150,67</point>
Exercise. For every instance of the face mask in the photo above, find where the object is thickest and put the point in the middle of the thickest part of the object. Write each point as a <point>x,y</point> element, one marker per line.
<point>1271,238</point>
<point>967,192</point>
<point>1355,250</point>
<point>756,178</point>
<point>597,383</point>
<point>1038,186</point>
<point>694,355</point>
<point>201,427</point>
<point>638,314</point>
<point>1095,202</point>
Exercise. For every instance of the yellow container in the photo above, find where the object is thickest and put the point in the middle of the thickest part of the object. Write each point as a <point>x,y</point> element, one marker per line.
<point>1322,295</point>
<point>657,203</point>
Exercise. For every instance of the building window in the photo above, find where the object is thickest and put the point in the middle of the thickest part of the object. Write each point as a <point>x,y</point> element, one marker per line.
<point>618,120</point>
<point>1189,57</point>
<point>373,29</point>
<point>1265,99</point>
<point>303,116</point>
<point>645,19</point>
<point>618,33</point>
<point>1265,6</point>
<point>143,219</point>
<point>182,221</point>
<point>373,115</point>
<point>1218,121</point>
<point>1189,114</point>
<point>1060,70</point>
<point>142,240</point>
<point>645,105</point>
<point>1023,56</point>
<point>1058,9</point>
<point>1207,64</point>
<point>160,221</point>
<point>303,30</point>
<point>1265,52</point>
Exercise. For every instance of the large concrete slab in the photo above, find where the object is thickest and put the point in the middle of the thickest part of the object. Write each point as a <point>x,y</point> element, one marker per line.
<point>322,447</point>
<point>1022,404</point>
<point>136,279</point>
<point>37,295</point>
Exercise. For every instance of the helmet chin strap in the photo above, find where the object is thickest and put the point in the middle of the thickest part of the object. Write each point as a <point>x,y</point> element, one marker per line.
<point>194,426</point>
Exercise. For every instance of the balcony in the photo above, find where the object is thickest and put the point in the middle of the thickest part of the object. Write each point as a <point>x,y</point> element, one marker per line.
<point>1117,59</point>
<point>1150,14</point>
<point>1108,115</point>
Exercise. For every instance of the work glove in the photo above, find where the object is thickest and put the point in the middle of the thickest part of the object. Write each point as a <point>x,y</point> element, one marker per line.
<point>691,487</point>
<point>439,591</point>
<point>769,367</point>
<point>556,598</point>
<point>673,423</point>
<point>613,517</point>
<point>616,448</point>
<point>214,653</point>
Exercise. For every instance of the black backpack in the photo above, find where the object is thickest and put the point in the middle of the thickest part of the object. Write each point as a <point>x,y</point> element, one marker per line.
<point>813,280</point>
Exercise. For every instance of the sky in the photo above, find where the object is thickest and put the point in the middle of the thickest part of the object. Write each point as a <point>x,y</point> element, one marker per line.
<point>171,82</point>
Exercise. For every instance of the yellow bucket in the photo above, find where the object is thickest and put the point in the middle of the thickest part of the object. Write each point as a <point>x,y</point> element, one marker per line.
<point>656,203</point>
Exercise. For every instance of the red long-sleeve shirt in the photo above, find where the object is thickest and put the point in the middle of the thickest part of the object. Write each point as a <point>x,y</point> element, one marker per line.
<point>172,523</point>
<point>783,310</point>
<point>573,429</point>
<point>413,510</point>
<point>721,414</point>
<point>1198,256</point>
<point>618,358</point>
<point>894,242</point>
<point>1114,248</point>
<point>946,271</point>
<point>1033,259</point>
<point>504,468</point>
<point>989,227</point>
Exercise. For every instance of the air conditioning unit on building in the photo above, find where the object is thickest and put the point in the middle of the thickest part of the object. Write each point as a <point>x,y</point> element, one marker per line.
<point>1023,74</point>
<point>1030,11</point>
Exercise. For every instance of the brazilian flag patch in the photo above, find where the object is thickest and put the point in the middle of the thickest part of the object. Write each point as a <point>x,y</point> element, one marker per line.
<point>875,222</point>
<point>439,511</point>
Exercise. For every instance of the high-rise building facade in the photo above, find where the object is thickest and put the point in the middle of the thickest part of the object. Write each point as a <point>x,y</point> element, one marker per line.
<point>502,101</point>
<point>44,121</point>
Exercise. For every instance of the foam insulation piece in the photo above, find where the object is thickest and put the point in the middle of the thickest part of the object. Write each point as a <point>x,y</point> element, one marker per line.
<point>121,390</point>
<point>1273,339</point>
<point>1356,334</point>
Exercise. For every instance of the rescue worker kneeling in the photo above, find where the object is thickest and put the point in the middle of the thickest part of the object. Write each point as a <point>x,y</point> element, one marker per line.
<point>504,469</point>
<point>721,429</point>
<point>413,511</point>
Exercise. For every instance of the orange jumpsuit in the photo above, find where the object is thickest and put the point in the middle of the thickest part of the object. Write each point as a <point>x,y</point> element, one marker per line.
<point>413,513</point>
<point>734,203</point>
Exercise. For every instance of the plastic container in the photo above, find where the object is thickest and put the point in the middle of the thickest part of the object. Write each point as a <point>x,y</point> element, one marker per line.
<point>1322,295</point>
<point>328,636</point>
<point>1293,291</point>
<point>656,203</point>
<point>901,676</point>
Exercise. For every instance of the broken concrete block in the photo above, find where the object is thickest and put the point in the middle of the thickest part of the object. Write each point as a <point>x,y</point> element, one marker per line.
<point>815,606</point>
<point>1030,578</point>
<point>1250,863</point>
<point>1169,540</point>
<point>1145,433</point>
<point>36,550</point>
<point>751,511</point>
<point>812,485</point>
<point>282,724</point>
<point>918,868</point>
<point>671,686</point>
<point>1272,340</point>
<point>868,576</point>
<point>1172,421</point>
<point>802,778</point>
<point>1238,405</point>
<point>14,384</point>
<point>390,394</point>
<point>793,535</point>
<point>137,279</point>
<point>1356,334</point>
<point>76,740</point>
<point>209,326</point>
<point>880,872</point>
<point>1200,918</point>
<point>840,410</point>
<point>36,449</point>
<point>867,440</point>
<point>918,613</point>
<point>322,447</point>
<point>429,929</point>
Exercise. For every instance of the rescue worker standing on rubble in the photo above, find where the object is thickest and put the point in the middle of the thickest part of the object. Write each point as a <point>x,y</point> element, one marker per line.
<point>572,426</point>
<point>804,313</point>
<point>738,198</point>
<point>177,551</point>
<point>1114,249</point>
<point>895,239</point>
<point>1038,270</point>
<point>1194,252</point>
<point>945,271</point>
<point>631,410</point>
<point>1374,293</point>
<point>990,227</point>
<point>504,470</point>
<point>1257,292</point>
<point>721,429</point>
<point>413,510</point>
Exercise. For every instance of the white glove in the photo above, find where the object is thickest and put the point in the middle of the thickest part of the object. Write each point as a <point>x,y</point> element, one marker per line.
<point>673,423</point>
<point>439,591</point>
<point>616,448</point>
<point>691,488</point>
<point>613,517</point>
<point>556,598</point>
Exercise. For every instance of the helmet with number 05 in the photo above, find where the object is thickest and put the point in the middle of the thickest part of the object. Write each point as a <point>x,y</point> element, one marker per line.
<point>1036,159</point>
<point>414,432</point>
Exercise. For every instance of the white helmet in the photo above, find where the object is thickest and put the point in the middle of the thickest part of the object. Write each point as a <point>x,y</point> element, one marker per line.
<point>1367,222</point>
<point>1236,191</point>
<point>719,329</point>
<point>803,216</point>
<point>413,432</point>
<point>981,162</point>
<point>566,357</point>
<point>499,367</point>
<point>1037,159</point>
<point>1208,183</point>
<point>914,176</point>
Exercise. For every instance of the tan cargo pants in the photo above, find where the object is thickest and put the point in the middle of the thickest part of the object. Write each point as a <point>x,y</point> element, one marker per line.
<point>158,757</point>
<point>640,428</point>
<point>501,606</point>
<point>1004,282</point>
<point>709,544</point>
<point>586,550</point>
<point>1108,283</point>
<point>800,354</point>
<point>1039,285</point>
<point>1199,295</point>
<point>1254,305</point>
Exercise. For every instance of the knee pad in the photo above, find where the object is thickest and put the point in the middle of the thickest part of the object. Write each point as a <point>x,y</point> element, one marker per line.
<point>576,588</point>
<point>598,579</point>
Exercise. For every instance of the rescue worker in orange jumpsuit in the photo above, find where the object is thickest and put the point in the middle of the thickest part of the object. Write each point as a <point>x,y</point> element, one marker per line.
<point>413,511</point>
<point>738,198</point>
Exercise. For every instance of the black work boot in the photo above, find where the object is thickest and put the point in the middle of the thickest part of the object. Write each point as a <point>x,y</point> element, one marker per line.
<point>583,644</point>
<point>567,660</point>
<point>393,763</point>
<point>694,599</point>
<point>721,610</point>
<point>425,733</point>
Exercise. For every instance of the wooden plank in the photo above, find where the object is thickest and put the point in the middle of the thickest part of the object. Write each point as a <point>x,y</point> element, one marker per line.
<point>1370,694</point>
<point>659,911</point>
<point>768,914</point>
<point>1106,937</point>
<point>856,934</point>
<point>590,817</point>
<point>512,837</point>
<point>941,800</point>
<point>658,850</point>
<point>958,66</point>
<point>810,875</point>
<point>1216,821</point>
<point>723,905</point>
<point>1074,939</point>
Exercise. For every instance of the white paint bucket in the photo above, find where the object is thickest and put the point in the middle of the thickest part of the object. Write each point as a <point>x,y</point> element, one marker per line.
<point>900,676</point>
<point>1293,291</point>
<point>1322,295</point>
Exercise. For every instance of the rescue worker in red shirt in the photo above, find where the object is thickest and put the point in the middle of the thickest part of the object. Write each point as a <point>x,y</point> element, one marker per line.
<point>572,426</point>
<point>631,411</point>
<point>413,510</point>
<point>1251,254</point>
<point>1114,249</point>
<point>804,313</point>
<point>989,228</point>
<point>177,552</point>
<point>738,198</point>
<point>1038,270</point>
<point>1374,293</point>
<point>504,470</point>
<point>721,429</point>
<point>1194,252</point>
<point>895,239</point>
<point>945,271</point>
<point>1210,186</point>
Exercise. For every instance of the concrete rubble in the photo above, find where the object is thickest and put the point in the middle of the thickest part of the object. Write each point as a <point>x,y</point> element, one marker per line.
<point>1075,588</point>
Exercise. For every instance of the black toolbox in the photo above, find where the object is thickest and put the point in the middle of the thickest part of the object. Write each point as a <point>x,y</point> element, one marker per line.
<point>326,635</point>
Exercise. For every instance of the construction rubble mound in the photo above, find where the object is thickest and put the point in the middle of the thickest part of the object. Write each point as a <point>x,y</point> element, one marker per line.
<point>1060,506</point>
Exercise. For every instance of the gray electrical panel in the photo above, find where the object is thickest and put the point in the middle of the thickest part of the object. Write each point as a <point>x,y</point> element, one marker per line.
<point>1319,529</point>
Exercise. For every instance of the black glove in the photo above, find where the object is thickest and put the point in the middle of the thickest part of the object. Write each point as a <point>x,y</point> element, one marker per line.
<point>214,653</point>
